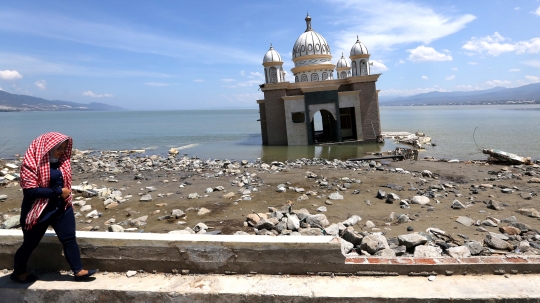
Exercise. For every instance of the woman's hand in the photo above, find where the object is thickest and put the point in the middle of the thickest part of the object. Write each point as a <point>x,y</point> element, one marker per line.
<point>66,192</point>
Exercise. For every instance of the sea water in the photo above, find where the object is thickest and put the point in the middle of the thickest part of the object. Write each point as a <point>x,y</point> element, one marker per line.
<point>235,134</point>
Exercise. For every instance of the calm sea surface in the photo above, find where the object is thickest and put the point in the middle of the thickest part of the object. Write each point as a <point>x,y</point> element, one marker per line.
<point>235,134</point>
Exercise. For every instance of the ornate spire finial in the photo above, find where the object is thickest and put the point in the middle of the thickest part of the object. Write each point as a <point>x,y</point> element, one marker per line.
<point>270,44</point>
<point>308,23</point>
<point>357,39</point>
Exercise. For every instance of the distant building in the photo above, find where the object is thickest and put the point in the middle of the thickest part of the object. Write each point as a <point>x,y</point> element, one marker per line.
<point>348,104</point>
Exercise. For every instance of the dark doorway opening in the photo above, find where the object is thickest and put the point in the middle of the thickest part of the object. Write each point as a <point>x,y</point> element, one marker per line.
<point>324,127</point>
<point>348,123</point>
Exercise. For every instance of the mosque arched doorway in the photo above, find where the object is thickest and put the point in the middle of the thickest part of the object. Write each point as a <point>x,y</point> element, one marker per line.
<point>324,127</point>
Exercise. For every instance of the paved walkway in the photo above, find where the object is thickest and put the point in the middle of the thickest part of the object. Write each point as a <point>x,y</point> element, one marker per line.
<point>59,288</point>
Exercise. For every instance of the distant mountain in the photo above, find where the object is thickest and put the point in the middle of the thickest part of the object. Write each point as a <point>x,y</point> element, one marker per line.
<point>498,95</point>
<point>13,102</point>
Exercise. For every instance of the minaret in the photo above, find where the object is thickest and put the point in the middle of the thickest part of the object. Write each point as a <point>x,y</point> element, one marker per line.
<point>359,59</point>
<point>273,66</point>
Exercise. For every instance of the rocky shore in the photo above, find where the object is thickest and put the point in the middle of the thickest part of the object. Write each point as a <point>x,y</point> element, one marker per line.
<point>424,208</point>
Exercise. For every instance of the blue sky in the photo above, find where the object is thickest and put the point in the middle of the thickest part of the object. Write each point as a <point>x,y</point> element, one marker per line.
<point>161,55</point>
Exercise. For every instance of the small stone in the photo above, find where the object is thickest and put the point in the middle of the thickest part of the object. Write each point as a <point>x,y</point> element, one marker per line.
<point>369,224</point>
<point>531,212</point>
<point>422,200</point>
<point>510,230</point>
<point>412,240</point>
<point>86,208</point>
<point>465,221</point>
<point>209,190</point>
<point>203,211</point>
<point>131,273</point>
<point>458,205</point>
<point>495,242</point>
<point>459,252</point>
<point>335,196</point>
<point>116,228</point>
<point>146,198</point>
<point>193,196</point>
<point>391,198</point>
<point>496,205</point>
<point>424,251</point>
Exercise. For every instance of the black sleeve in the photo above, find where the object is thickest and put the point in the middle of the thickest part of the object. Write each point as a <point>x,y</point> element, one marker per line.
<point>35,193</point>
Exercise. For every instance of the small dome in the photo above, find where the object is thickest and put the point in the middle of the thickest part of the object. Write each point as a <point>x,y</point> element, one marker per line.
<point>310,43</point>
<point>358,48</point>
<point>272,56</point>
<point>343,63</point>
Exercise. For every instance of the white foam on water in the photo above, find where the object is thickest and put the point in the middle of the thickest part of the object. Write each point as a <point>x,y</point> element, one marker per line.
<point>186,146</point>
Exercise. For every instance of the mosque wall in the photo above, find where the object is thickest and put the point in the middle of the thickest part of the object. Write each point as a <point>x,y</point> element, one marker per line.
<point>275,119</point>
<point>296,130</point>
<point>352,99</point>
<point>369,105</point>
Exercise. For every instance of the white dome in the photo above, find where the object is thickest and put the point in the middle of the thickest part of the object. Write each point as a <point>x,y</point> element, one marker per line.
<point>310,43</point>
<point>358,48</point>
<point>272,56</point>
<point>343,63</point>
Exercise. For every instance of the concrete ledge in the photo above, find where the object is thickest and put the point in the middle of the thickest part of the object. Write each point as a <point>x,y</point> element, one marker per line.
<point>203,254</point>
<point>197,253</point>
<point>54,287</point>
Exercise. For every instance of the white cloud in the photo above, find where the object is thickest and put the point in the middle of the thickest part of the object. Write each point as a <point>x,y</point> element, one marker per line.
<point>533,63</point>
<point>227,80</point>
<point>514,70</point>
<point>400,62</point>
<point>41,84</point>
<point>425,77</point>
<point>378,67</point>
<point>472,63</point>
<point>537,11</point>
<point>452,77</point>
<point>93,95</point>
<point>454,68</point>
<point>533,79</point>
<point>243,99</point>
<point>426,53</point>
<point>516,8</point>
<point>1,89</point>
<point>495,45</point>
<point>198,80</point>
<point>10,75</point>
<point>468,87</point>
<point>409,92</point>
<point>386,23</point>
<point>504,83</point>
<point>242,73</point>
<point>156,84</point>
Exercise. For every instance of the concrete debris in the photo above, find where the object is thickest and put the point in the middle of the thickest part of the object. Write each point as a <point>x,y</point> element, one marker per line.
<point>498,156</point>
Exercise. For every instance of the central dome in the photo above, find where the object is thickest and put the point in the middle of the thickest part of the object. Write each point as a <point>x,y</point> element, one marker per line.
<point>310,43</point>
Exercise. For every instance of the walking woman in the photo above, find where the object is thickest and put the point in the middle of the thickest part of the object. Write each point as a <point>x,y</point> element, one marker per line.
<point>46,183</point>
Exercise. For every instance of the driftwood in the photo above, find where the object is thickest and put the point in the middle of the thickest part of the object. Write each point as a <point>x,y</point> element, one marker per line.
<point>499,156</point>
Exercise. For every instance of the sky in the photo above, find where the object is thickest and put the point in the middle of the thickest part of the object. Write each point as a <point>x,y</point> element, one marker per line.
<point>176,55</point>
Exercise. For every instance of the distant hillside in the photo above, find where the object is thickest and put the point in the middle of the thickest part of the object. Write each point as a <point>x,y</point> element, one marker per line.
<point>12,102</point>
<point>498,95</point>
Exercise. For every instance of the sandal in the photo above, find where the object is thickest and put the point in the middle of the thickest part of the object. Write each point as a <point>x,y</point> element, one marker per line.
<point>90,273</point>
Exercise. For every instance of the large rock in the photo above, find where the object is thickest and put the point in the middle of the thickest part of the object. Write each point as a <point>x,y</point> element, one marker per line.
<point>475,247</point>
<point>318,220</point>
<point>177,213</point>
<point>496,205</point>
<point>531,212</point>
<point>352,220</point>
<point>381,194</point>
<point>293,223</point>
<point>386,253</point>
<point>412,240</point>
<point>11,222</point>
<point>424,251</point>
<point>374,243</point>
<point>391,198</point>
<point>350,235</point>
<point>511,230</point>
<point>459,252</point>
<point>422,200</point>
<point>346,247</point>
<point>310,232</point>
<point>496,243</point>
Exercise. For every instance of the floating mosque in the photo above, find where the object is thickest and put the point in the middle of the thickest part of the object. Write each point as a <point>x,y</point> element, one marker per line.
<point>347,101</point>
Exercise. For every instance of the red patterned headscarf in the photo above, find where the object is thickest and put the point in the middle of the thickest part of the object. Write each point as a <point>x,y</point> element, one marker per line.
<point>36,171</point>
